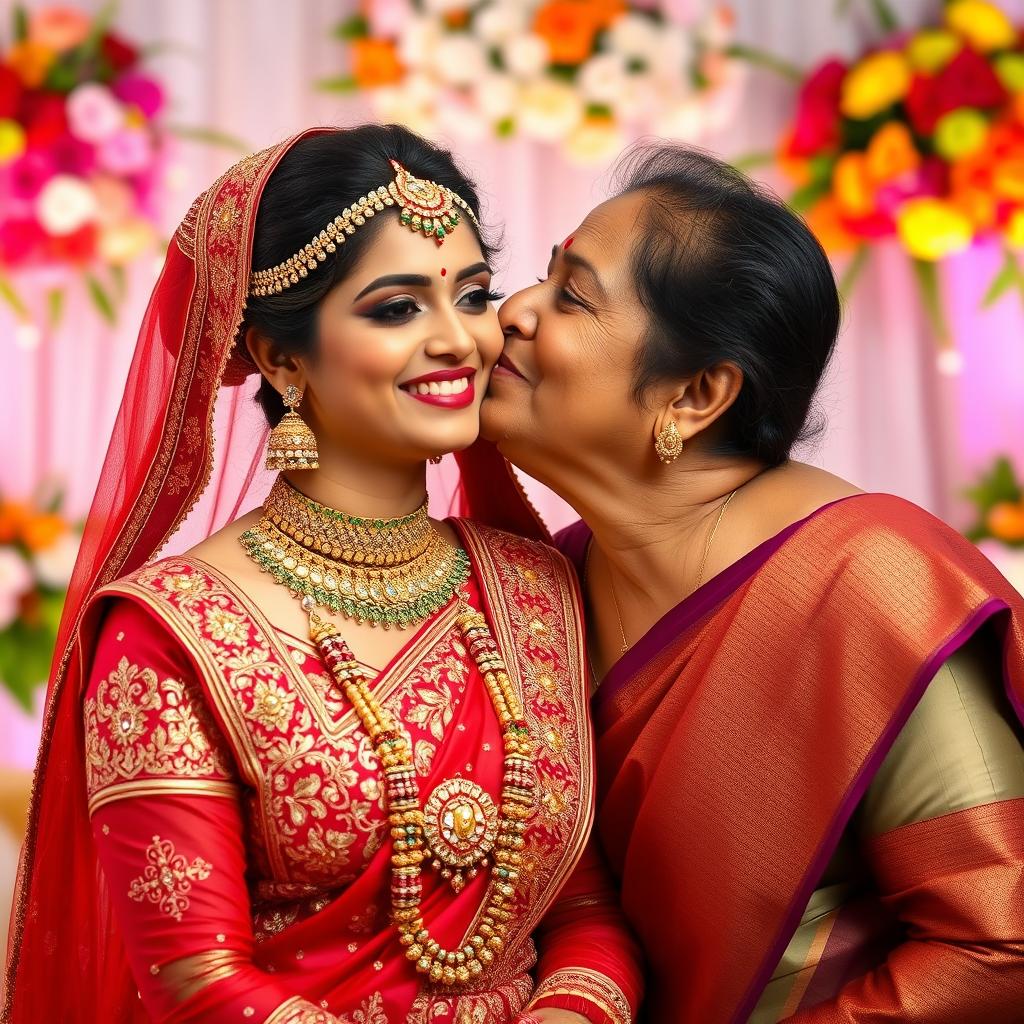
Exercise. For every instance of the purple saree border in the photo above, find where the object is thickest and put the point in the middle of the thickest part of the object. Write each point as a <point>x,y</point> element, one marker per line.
<point>692,607</point>
<point>993,606</point>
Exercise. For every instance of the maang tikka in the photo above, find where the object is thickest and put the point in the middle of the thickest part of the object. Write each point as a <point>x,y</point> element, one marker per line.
<point>292,445</point>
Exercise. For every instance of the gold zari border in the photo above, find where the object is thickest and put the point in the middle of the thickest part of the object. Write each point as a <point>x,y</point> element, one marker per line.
<point>161,787</point>
<point>589,985</point>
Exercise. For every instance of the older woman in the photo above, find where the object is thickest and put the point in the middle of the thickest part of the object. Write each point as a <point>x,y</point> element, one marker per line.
<point>811,780</point>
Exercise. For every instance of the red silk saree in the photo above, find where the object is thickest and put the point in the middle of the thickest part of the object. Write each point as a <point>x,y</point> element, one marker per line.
<point>736,742</point>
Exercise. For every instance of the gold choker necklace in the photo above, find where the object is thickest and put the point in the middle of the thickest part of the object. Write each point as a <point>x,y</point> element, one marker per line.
<point>388,572</point>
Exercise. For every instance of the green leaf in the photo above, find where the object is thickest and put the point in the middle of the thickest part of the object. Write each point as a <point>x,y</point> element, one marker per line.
<point>763,59</point>
<point>356,27</point>
<point>887,20</point>
<point>119,280</point>
<point>807,195</point>
<point>20,24</point>
<point>749,161</point>
<point>505,128</point>
<point>858,261</point>
<point>339,83</point>
<point>927,274</point>
<point>10,295</point>
<point>101,299</point>
<point>54,307</point>
<point>1009,275</point>
<point>209,136</point>
<point>599,110</point>
<point>25,654</point>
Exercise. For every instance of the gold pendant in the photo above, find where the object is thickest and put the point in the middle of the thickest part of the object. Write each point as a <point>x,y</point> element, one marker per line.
<point>460,822</point>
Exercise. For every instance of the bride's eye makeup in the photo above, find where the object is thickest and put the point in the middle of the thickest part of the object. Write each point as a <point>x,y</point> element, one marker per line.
<point>393,311</point>
<point>477,298</point>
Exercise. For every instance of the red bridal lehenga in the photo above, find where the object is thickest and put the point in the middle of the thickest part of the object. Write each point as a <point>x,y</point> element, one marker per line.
<point>209,836</point>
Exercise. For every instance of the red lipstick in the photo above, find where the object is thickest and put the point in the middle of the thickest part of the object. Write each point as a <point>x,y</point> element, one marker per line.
<point>449,389</point>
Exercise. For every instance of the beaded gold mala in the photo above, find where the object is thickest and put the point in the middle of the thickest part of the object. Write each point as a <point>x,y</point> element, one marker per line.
<point>408,834</point>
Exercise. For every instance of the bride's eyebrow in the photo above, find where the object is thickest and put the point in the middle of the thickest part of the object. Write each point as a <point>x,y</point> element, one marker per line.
<point>476,268</point>
<point>393,280</point>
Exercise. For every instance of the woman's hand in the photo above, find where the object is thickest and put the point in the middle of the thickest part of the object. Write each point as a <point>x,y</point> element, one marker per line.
<point>550,1015</point>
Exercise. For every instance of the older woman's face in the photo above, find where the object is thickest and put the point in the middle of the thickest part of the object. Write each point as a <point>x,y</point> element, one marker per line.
<point>560,396</point>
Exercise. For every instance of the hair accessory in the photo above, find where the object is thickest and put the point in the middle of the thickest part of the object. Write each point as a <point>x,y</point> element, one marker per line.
<point>425,206</point>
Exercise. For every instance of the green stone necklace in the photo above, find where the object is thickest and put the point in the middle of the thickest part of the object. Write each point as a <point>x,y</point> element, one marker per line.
<point>388,572</point>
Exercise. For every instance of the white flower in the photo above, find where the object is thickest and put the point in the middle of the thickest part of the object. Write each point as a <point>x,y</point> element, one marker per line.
<point>94,114</point>
<point>640,98</point>
<point>498,22</point>
<point>420,37</point>
<point>525,56</point>
<point>602,79</point>
<point>420,88</point>
<point>549,110</point>
<point>65,204</point>
<point>395,106</point>
<point>635,37</point>
<point>674,55</point>
<point>457,116</point>
<point>15,579</point>
<point>55,563</point>
<point>446,6</point>
<point>682,120</point>
<point>497,96</point>
<point>594,141</point>
<point>459,60</point>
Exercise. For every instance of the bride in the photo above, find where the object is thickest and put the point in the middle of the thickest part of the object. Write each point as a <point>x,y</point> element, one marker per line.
<point>333,763</point>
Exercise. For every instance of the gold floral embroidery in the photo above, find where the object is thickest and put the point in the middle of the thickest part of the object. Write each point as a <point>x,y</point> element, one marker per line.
<point>273,705</point>
<point>590,985</point>
<point>138,726</point>
<point>225,627</point>
<point>168,877</point>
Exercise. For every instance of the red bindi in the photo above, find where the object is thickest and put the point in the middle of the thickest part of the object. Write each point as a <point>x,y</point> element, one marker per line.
<point>444,271</point>
<point>567,242</point>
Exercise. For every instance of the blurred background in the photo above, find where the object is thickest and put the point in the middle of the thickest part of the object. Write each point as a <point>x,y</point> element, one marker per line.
<point>895,126</point>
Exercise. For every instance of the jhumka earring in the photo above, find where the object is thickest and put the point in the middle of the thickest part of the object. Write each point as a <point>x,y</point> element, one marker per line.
<point>669,443</point>
<point>292,445</point>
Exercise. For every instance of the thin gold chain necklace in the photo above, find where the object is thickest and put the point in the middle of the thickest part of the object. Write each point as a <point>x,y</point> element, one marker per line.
<point>611,576</point>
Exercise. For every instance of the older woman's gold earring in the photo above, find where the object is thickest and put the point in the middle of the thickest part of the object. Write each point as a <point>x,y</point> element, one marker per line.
<point>669,443</point>
<point>292,445</point>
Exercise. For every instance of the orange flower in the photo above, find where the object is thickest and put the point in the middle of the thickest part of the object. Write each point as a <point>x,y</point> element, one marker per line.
<point>891,152</point>
<point>606,11</point>
<point>1008,179</point>
<point>457,19</point>
<point>13,515</point>
<point>375,63</point>
<point>825,220</point>
<point>30,61</point>
<point>854,189</point>
<point>569,28</point>
<point>42,531</point>
<point>59,28</point>
<point>1006,521</point>
<point>978,205</point>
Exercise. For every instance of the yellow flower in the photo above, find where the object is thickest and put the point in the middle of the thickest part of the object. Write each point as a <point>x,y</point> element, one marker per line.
<point>981,23</point>
<point>12,140</point>
<point>960,133</point>
<point>891,152</point>
<point>932,49</point>
<point>931,229</point>
<point>1014,229</point>
<point>875,84</point>
<point>594,140</point>
<point>30,61</point>
<point>1009,68</point>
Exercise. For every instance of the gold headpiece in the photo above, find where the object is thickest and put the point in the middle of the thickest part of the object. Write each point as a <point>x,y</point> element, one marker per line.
<point>425,206</point>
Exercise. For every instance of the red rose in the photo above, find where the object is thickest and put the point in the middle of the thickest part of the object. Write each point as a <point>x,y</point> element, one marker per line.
<point>78,247</point>
<point>120,54</point>
<point>10,92</point>
<point>966,81</point>
<point>817,114</point>
<point>20,240</point>
<point>44,118</point>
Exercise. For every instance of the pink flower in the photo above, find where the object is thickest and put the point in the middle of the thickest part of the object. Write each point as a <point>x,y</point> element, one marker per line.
<point>20,239</point>
<point>817,118</point>
<point>94,115</point>
<point>140,91</point>
<point>930,179</point>
<point>128,152</point>
<point>73,156</point>
<point>30,172</point>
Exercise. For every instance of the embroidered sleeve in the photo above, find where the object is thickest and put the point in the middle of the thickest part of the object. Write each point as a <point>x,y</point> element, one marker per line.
<point>589,962</point>
<point>169,834</point>
<point>147,727</point>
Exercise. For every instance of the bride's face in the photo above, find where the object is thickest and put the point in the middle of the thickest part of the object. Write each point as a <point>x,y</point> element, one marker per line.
<point>406,346</point>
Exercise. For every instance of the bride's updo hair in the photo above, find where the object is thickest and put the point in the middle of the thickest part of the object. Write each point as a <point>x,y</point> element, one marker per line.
<point>317,178</point>
<point>728,273</point>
